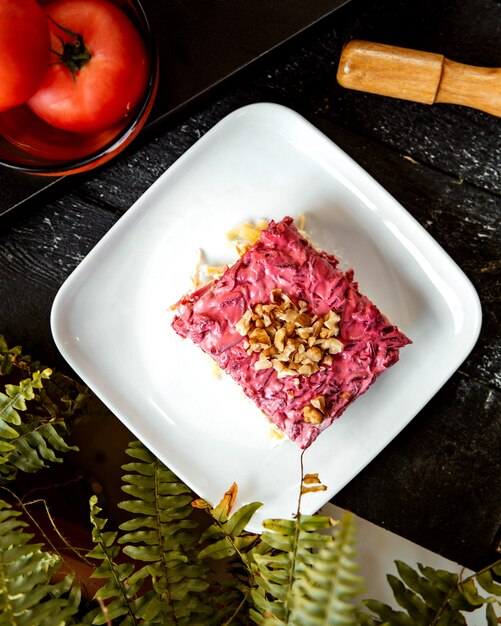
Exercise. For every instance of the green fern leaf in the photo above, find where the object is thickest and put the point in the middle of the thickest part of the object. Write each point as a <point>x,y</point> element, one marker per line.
<point>221,549</point>
<point>436,597</point>
<point>411,602</point>
<point>32,413</point>
<point>231,607</point>
<point>491,616</point>
<point>486,581</point>
<point>466,597</point>
<point>27,595</point>
<point>366,620</point>
<point>14,400</point>
<point>324,592</point>
<point>266,612</point>
<point>226,540</point>
<point>163,536</point>
<point>227,546</point>
<point>9,357</point>
<point>420,585</point>
<point>388,615</point>
<point>239,520</point>
<point>442,580</point>
<point>294,543</point>
<point>124,606</point>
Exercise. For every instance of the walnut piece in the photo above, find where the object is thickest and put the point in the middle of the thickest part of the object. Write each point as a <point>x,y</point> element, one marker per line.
<point>314,412</point>
<point>289,338</point>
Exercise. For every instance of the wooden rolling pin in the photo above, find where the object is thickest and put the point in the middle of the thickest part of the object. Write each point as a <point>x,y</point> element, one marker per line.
<point>418,76</point>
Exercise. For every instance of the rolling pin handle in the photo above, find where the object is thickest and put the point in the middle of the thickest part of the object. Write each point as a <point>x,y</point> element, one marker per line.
<point>423,77</point>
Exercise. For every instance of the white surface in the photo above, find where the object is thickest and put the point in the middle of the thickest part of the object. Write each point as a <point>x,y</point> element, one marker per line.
<point>110,319</point>
<point>378,549</point>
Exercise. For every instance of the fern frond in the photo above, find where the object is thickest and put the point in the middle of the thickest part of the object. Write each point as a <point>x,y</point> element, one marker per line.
<point>163,536</point>
<point>231,606</point>
<point>11,358</point>
<point>294,543</point>
<point>227,536</point>
<point>118,591</point>
<point>486,580</point>
<point>323,595</point>
<point>34,445</point>
<point>33,410</point>
<point>14,400</point>
<point>490,616</point>
<point>433,597</point>
<point>227,540</point>
<point>27,595</point>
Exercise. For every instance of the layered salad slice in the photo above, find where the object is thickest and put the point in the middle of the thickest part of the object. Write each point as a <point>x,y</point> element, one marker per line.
<point>292,330</point>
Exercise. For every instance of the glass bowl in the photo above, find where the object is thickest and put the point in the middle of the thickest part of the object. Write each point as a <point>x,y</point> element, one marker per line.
<point>30,145</point>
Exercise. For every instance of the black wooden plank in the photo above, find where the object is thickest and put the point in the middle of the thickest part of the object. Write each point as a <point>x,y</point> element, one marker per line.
<point>437,483</point>
<point>461,141</point>
<point>37,253</point>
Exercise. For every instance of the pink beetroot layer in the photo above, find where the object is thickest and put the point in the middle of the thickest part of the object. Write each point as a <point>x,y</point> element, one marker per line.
<point>283,259</point>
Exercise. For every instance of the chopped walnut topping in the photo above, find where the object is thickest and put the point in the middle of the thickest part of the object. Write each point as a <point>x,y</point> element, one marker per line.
<point>279,339</point>
<point>319,403</point>
<point>263,363</point>
<point>289,339</point>
<point>243,325</point>
<point>314,412</point>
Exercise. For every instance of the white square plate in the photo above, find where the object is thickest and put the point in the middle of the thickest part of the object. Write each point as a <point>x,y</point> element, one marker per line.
<point>110,319</point>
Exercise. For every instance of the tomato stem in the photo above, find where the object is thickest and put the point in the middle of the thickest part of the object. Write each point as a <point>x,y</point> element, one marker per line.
<point>74,54</point>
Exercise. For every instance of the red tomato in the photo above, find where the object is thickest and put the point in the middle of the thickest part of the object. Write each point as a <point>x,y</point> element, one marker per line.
<point>24,50</point>
<point>109,72</point>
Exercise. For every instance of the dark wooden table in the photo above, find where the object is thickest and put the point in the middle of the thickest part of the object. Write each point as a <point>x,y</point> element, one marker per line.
<point>439,482</point>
